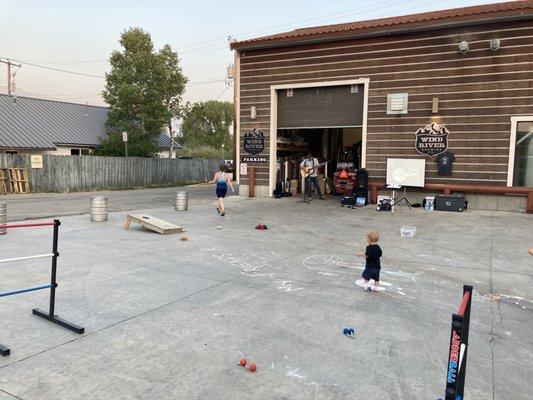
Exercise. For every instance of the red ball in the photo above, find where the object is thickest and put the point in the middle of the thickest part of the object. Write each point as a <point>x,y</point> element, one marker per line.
<point>243,362</point>
<point>253,367</point>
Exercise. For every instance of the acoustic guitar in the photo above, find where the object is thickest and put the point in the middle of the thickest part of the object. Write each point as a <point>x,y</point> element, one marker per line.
<point>306,171</point>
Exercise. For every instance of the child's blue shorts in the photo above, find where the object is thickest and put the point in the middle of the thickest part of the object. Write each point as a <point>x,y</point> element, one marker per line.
<point>371,273</point>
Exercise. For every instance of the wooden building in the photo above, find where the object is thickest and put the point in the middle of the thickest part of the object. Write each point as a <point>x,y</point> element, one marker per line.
<point>372,85</point>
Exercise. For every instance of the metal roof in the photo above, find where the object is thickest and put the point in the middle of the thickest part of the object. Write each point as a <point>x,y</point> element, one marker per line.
<point>30,123</point>
<point>429,20</point>
<point>163,142</point>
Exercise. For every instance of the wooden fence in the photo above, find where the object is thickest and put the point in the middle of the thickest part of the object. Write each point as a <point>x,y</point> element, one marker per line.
<point>85,173</point>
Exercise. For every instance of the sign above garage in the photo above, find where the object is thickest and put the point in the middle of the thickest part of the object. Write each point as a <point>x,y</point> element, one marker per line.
<point>321,107</point>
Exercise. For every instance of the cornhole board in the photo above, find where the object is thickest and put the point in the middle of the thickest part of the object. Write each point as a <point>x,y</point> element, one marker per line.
<point>152,223</point>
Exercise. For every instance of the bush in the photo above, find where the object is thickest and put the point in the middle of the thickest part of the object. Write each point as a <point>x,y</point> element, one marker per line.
<point>205,152</point>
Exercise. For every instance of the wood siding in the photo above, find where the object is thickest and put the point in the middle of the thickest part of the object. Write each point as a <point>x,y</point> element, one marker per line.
<point>478,92</point>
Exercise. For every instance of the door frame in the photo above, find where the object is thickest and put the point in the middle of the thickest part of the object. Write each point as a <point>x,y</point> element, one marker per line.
<point>512,145</point>
<point>274,119</point>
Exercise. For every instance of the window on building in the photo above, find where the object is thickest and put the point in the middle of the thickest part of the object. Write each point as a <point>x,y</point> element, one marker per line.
<point>85,152</point>
<point>74,152</point>
<point>523,152</point>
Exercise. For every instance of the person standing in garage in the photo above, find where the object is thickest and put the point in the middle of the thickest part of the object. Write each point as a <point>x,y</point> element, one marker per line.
<point>309,167</point>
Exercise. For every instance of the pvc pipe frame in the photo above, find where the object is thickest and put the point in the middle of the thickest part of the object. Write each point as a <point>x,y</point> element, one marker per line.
<point>27,225</point>
<point>19,291</point>
<point>27,258</point>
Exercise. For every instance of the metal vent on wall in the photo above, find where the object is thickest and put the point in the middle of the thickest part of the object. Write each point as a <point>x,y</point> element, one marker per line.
<point>397,103</point>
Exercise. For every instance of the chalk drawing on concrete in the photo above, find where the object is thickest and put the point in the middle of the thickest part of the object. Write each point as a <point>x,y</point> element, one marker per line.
<point>361,283</point>
<point>330,265</point>
<point>287,286</point>
<point>336,264</point>
<point>250,264</point>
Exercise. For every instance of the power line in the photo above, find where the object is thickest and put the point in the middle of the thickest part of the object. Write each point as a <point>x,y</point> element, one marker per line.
<point>99,76</point>
<point>58,69</point>
<point>222,93</point>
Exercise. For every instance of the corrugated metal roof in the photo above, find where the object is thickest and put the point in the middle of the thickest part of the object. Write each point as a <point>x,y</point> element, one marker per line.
<point>163,142</point>
<point>26,122</point>
<point>428,19</point>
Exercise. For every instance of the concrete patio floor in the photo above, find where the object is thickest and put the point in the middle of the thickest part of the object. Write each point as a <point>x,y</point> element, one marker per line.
<point>170,319</point>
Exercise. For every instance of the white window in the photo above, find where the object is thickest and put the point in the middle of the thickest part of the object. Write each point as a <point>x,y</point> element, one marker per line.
<point>520,170</point>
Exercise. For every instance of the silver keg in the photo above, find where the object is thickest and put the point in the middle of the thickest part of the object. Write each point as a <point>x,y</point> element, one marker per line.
<point>182,201</point>
<point>3,217</point>
<point>99,209</point>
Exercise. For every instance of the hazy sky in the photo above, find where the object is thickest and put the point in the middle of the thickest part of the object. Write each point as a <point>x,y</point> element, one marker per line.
<point>79,35</point>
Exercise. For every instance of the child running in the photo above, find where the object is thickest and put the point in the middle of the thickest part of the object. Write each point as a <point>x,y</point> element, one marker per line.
<point>373,265</point>
<point>222,182</point>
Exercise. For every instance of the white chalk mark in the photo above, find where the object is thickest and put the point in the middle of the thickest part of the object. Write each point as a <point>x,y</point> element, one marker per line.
<point>327,273</point>
<point>294,373</point>
<point>335,264</point>
<point>287,286</point>
<point>250,264</point>
<point>272,364</point>
<point>361,283</point>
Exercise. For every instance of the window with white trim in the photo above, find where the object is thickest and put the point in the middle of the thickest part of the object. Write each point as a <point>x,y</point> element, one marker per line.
<point>523,153</point>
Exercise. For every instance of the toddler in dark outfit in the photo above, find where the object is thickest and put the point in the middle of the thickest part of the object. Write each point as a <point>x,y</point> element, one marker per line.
<point>373,265</point>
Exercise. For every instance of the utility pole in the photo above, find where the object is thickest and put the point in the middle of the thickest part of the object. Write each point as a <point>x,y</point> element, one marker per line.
<point>10,85</point>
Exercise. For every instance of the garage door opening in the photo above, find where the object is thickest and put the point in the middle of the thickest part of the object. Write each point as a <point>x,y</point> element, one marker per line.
<point>329,122</point>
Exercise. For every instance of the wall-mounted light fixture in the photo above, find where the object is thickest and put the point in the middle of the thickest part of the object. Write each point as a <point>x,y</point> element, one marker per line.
<point>290,93</point>
<point>253,112</point>
<point>494,44</point>
<point>435,105</point>
<point>463,46</point>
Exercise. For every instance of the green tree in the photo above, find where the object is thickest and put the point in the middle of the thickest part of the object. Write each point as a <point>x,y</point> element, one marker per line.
<point>136,96</point>
<point>173,86</point>
<point>208,124</point>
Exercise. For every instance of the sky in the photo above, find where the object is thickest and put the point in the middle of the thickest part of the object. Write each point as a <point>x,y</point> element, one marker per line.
<point>78,36</point>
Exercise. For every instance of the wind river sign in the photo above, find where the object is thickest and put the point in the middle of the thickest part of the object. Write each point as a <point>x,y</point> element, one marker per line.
<point>254,142</point>
<point>432,139</point>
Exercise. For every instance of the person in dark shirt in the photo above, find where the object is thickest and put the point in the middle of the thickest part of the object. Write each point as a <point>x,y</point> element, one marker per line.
<point>372,254</point>
<point>445,163</point>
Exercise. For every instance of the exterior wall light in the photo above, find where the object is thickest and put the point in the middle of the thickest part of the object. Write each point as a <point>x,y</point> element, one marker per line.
<point>494,44</point>
<point>463,46</point>
<point>435,105</point>
<point>253,112</point>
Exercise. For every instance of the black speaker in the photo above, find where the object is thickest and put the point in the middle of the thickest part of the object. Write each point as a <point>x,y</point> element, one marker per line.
<point>361,193</point>
<point>361,179</point>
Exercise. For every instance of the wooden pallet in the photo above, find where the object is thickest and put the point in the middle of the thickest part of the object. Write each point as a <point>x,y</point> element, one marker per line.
<point>5,186</point>
<point>18,180</point>
<point>152,223</point>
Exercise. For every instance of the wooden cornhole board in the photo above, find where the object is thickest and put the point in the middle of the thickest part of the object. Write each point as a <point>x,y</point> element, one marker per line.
<point>152,223</point>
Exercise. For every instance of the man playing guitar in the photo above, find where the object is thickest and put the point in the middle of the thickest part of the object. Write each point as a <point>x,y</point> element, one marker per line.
<point>308,169</point>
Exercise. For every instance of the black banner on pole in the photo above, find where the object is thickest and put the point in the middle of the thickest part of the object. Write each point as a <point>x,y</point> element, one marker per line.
<point>458,349</point>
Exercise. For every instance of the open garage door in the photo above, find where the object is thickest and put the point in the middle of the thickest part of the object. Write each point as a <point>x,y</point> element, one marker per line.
<point>321,107</point>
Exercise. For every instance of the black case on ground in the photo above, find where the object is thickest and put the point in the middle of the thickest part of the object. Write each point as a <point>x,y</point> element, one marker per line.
<point>454,202</point>
<point>348,201</point>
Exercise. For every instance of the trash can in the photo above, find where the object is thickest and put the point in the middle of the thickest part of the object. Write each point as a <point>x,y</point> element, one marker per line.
<point>182,201</point>
<point>99,209</point>
<point>3,217</point>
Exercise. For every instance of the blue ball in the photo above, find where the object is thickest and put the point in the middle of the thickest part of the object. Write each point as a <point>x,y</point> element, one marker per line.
<point>348,331</point>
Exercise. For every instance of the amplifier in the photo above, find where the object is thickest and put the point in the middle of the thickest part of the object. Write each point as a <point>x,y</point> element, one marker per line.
<point>454,202</point>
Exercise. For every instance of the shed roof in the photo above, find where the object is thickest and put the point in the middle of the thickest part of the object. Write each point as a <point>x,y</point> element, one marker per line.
<point>428,20</point>
<point>31,123</point>
<point>163,142</point>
